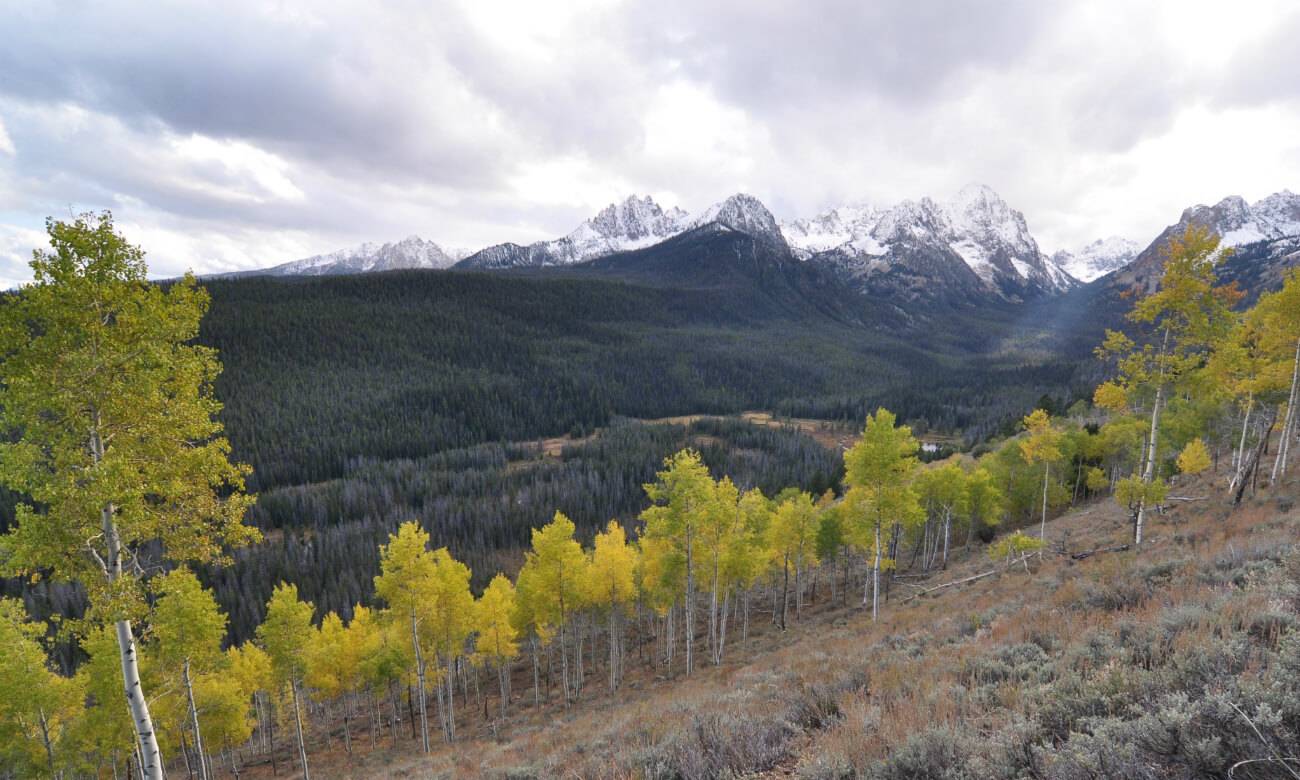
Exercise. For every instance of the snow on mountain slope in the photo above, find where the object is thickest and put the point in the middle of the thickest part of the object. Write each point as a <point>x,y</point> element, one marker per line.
<point>410,252</point>
<point>740,212</point>
<point>1265,236</point>
<point>975,228</point>
<point>632,224</point>
<point>1098,258</point>
<point>1239,223</point>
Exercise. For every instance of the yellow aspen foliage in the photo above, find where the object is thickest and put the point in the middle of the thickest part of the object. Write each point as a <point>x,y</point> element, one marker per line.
<point>1194,458</point>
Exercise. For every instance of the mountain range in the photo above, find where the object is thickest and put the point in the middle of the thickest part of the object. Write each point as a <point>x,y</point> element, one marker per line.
<point>970,248</point>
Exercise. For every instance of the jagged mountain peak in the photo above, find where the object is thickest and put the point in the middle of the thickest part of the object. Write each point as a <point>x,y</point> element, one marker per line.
<point>741,212</point>
<point>974,239</point>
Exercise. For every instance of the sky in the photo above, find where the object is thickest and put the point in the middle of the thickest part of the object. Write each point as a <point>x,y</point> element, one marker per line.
<point>238,135</point>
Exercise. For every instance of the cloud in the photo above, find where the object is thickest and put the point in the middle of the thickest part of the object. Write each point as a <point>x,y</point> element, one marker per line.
<point>243,134</point>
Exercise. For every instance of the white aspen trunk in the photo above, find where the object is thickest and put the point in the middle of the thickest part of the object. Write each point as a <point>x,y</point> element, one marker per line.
<point>150,756</point>
<point>1288,427</point>
<point>537,696</point>
<point>194,720</point>
<point>1042,528</point>
<point>690,605</point>
<point>451,699</point>
<point>1149,470</point>
<point>302,745</point>
<point>419,681</point>
<point>947,534</point>
<point>875,578</point>
<point>1241,445</point>
<point>613,646</point>
<point>722,627</point>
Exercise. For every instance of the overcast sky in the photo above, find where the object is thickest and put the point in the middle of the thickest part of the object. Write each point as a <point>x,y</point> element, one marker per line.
<point>244,134</point>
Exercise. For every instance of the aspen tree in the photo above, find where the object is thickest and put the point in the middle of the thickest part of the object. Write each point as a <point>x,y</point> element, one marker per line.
<point>612,587</point>
<point>984,500</point>
<point>1042,445</point>
<point>188,628</point>
<point>791,542</point>
<point>451,619</point>
<point>405,582</point>
<point>945,489</point>
<point>681,492</point>
<point>1186,315</point>
<point>111,433</point>
<point>285,634</point>
<point>878,470</point>
<point>556,567</point>
<point>251,667</point>
<point>37,706</point>
<point>497,638</point>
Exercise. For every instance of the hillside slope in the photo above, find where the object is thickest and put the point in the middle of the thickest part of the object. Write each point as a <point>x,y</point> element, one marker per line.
<point>1180,661</point>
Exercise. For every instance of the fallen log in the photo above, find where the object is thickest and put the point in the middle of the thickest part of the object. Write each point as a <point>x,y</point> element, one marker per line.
<point>971,578</point>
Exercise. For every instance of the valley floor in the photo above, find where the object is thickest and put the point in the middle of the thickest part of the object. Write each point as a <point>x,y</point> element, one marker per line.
<point>1181,660</point>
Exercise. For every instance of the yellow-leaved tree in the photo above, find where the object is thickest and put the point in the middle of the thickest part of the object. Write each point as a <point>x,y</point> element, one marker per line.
<point>1179,324</point>
<point>612,588</point>
<point>111,435</point>
<point>1042,444</point>
<point>285,634</point>
<point>878,470</point>
<point>497,639</point>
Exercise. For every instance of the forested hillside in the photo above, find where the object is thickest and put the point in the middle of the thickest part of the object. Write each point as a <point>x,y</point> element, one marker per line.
<point>407,364</point>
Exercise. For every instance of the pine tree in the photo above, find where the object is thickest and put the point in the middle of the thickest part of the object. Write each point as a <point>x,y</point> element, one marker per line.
<point>114,441</point>
<point>285,633</point>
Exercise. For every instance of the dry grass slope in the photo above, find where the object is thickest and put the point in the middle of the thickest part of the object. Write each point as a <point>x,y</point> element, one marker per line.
<point>1181,661</point>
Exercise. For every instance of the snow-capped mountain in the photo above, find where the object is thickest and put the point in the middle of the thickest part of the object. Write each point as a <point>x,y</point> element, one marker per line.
<point>1238,223</point>
<point>411,252</point>
<point>975,240</point>
<point>633,224</point>
<point>1264,236</point>
<point>1098,258</point>
<point>740,212</point>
